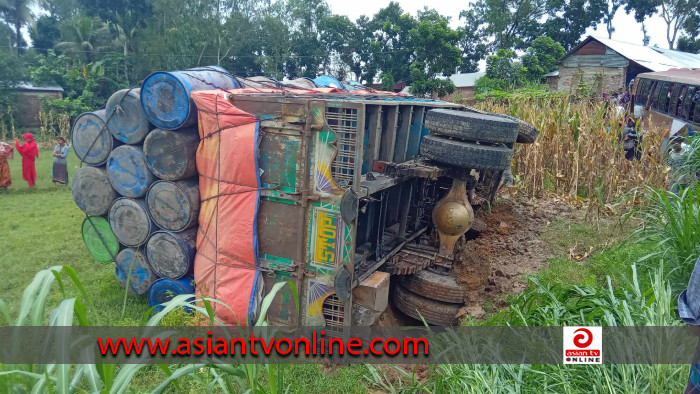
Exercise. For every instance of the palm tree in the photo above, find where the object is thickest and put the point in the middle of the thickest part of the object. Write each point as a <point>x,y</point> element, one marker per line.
<point>19,13</point>
<point>81,37</point>
<point>124,29</point>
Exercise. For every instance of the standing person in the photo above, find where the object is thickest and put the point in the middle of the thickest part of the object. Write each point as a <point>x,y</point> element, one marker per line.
<point>5,153</point>
<point>29,152</point>
<point>689,312</point>
<point>60,164</point>
<point>630,141</point>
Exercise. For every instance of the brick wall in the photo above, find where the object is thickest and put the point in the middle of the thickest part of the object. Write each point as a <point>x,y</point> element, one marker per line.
<point>465,93</point>
<point>604,79</point>
<point>29,105</point>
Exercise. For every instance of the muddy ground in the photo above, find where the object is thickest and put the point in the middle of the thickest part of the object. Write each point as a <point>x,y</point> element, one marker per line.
<point>510,247</point>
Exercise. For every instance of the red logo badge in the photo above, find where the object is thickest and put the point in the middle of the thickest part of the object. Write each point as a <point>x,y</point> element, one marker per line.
<point>583,345</point>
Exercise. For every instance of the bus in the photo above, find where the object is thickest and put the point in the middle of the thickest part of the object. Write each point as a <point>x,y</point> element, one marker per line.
<point>668,100</point>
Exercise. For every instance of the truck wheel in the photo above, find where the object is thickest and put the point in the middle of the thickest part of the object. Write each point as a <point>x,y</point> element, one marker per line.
<point>435,286</point>
<point>434,312</point>
<point>472,126</point>
<point>527,133</point>
<point>466,154</point>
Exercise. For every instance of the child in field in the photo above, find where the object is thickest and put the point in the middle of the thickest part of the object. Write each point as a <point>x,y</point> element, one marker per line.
<point>29,152</point>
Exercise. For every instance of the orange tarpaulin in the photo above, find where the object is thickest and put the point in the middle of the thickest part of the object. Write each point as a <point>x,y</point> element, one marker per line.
<point>226,265</point>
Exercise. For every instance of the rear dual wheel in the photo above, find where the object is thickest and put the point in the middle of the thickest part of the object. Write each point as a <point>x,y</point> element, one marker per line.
<point>423,308</point>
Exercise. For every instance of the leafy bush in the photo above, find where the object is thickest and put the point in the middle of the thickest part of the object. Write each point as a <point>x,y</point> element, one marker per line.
<point>485,85</point>
<point>670,222</point>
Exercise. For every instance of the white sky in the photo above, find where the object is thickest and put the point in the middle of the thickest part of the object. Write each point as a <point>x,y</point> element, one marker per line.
<point>626,28</point>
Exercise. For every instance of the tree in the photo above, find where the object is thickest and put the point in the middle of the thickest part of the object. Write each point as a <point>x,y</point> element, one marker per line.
<point>509,22</point>
<point>513,24</point>
<point>19,13</point>
<point>341,38</point>
<point>645,35</point>
<point>45,33</point>
<point>81,37</point>
<point>505,67</point>
<point>11,74</point>
<point>472,42</point>
<point>274,45</point>
<point>690,40</point>
<point>387,82</point>
<point>393,49</point>
<point>674,12</point>
<point>541,57</point>
<point>435,44</point>
<point>609,14</point>
<point>567,20</point>
<point>436,54</point>
<point>308,53</point>
<point>63,9</point>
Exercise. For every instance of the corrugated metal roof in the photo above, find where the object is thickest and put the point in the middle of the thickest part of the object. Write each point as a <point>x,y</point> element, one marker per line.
<point>554,73</point>
<point>465,80</point>
<point>655,59</point>
<point>29,86</point>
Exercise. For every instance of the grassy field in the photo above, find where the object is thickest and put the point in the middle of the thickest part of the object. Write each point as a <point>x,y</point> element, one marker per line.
<point>40,228</point>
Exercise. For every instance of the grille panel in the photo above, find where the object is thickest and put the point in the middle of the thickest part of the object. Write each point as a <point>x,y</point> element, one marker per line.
<point>343,122</point>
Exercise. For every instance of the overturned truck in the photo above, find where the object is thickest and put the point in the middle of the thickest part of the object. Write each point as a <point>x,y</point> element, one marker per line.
<point>343,195</point>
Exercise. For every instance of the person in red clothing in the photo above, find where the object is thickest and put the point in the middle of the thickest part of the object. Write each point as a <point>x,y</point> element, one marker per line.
<point>29,153</point>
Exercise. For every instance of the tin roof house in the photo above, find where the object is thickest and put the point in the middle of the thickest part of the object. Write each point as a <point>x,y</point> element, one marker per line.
<point>610,65</point>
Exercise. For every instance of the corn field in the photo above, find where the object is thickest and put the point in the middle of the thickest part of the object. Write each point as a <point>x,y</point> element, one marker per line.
<point>578,152</point>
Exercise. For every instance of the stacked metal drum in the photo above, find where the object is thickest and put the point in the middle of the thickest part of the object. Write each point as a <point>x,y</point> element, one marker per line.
<point>138,185</point>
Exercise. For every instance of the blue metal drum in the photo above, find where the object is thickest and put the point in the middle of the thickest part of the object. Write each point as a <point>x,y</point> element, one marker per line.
<point>327,81</point>
<point>128,171</point>
<point>171,154</point>
<point>166,96</point>
<point>171,255</point>
<point>131,263</point>
<point>163,290</point>
<point>129,221</point>
<point>174,206</point>
<point>125,117</point>
<point>91,139</point>
<point>92,191</point>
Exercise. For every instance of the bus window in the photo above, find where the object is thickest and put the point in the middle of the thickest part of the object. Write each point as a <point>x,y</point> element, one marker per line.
<point>685,114</point>
<point>652,94</point>
<point>660,96</point>
<point>675,93</point>
<point>695,107</point>
<point>678,106</point>
<point>642,91</point>
<point>666,102</point>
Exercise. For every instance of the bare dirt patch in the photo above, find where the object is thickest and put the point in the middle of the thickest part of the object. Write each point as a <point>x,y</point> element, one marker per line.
<point>512,245</point>
<point>510,248</point>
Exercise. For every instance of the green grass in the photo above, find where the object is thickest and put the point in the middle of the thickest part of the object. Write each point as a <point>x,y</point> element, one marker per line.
<point>40,228</point>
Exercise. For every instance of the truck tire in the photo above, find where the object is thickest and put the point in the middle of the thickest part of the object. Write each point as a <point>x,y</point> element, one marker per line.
<point>527,133</point>
<point>435,286</point>
<point>472,126</point>
<point>466,154</point>
<point>418,307</point>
